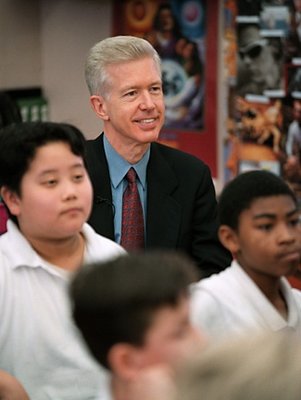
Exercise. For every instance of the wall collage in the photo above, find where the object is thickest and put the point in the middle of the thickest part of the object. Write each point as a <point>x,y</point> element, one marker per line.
<point>262,77</point>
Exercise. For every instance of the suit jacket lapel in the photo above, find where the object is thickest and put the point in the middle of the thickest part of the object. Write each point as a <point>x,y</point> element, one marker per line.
<point>102,214</point>
<point>163,211</point>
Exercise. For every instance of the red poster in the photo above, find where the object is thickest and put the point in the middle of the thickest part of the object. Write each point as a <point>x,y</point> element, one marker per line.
<point>184,32</point>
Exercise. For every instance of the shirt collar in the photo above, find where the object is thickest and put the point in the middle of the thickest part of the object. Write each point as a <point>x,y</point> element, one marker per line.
<point>27,256</point>
<point>118,166</point>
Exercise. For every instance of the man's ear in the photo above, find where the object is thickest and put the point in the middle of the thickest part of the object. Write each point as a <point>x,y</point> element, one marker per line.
<point>124,360</point>
<point>11,199</point>
<point>229,239</point>
<point>99,106</point>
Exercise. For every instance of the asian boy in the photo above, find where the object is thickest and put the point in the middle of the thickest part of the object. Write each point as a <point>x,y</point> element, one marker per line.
<point>46,189</point>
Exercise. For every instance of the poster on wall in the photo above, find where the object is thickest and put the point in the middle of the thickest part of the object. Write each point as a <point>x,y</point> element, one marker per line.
<point>184,32</point>
<point>263,83</point>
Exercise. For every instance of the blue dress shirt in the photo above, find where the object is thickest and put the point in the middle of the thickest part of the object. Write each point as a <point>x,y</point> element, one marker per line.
<point>118,168</point>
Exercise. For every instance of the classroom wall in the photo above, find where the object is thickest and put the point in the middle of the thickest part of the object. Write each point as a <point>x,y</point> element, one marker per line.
<point>44,43</point>
<point>68,29</point>
<point>20,44</point>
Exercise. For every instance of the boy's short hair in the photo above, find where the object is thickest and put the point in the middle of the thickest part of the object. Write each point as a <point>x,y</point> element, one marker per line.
<point>19,143</point>
<point>239,194</point>
<point>114,302</point>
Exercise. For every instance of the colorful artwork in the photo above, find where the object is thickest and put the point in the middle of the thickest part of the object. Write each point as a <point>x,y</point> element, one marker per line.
<point>255,136</point>
<point>263,81</point>
<point>183,33</point>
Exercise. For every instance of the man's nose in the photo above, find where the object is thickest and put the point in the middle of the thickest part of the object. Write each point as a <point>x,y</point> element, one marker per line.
<point>146,101</point>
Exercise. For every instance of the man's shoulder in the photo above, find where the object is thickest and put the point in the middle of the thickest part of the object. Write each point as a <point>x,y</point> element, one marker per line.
<point>96,139</point>
<point>94,143</point>
<point>95,156</point>
<point>177,156</point>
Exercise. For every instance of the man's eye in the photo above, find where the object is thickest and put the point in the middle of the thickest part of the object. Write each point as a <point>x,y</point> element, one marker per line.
<point>131,93</point>
<point>156,89</point>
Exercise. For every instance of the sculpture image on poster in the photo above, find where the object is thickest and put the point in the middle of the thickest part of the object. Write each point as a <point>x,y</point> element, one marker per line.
<point>260,62</point>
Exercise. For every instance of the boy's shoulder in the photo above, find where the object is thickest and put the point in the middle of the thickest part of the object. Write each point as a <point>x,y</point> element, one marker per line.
<point>215,292</point>
<point>10,241</point>
<point>98,247</point>
<point>216,282</point>
<point>297,296</point>
<point>227,288</point>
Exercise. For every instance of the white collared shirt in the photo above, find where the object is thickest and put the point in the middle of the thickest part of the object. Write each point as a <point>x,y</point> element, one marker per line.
<point>231,303</point>
<point>39,343</point>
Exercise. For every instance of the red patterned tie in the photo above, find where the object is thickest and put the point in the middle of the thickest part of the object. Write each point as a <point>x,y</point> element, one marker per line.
<point>132,229</point>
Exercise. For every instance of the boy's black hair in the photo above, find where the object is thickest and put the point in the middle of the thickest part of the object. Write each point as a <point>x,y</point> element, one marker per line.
<point>115,301</point>
<point>19,143</point>
<point>239,194</point>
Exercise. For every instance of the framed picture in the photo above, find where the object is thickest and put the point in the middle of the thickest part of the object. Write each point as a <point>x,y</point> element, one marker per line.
<point>184,32</point>
<point>293,80</point>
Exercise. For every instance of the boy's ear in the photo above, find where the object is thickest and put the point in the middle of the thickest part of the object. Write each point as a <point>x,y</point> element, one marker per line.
<point>124,361</point>
<point>99,106</point>
<point>11,199</point>
<point>229,238</point>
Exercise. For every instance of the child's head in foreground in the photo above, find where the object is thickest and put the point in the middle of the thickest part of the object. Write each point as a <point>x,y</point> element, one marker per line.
<point>43,178</point>
<point>133,311</point>
<point>265,367</point>
<point>259,223</point>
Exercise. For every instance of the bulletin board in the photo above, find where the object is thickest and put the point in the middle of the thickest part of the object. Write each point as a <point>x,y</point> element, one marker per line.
<point>262,58</point>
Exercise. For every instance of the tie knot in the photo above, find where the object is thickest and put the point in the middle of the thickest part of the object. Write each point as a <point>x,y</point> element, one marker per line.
<point>131,175</point>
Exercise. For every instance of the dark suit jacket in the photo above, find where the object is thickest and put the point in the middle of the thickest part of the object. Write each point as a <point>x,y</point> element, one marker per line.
<point>181,204</point>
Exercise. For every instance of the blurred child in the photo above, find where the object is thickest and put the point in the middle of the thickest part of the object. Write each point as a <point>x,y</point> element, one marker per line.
<point>9,114</point>
<point>260,225</point>
<point>46,189</point>
<point>133,313</point>
<point>263,366</point>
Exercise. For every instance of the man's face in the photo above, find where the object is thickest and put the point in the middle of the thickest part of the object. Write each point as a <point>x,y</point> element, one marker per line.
<point>56,194</point>
<point>171,337</point>
<point>134,107</point>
